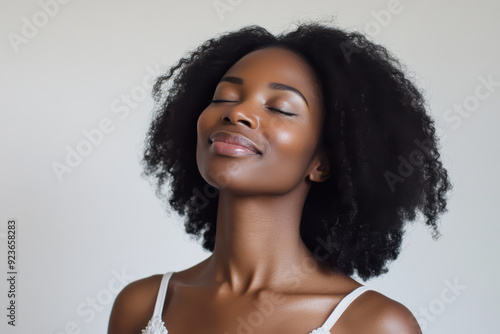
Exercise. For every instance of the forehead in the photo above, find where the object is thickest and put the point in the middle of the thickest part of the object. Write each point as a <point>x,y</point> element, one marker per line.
<point>276,64</point>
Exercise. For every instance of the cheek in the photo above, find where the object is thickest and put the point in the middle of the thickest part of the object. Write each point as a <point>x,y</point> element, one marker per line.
<point>293,145</point>
<point>287,144</point>
<point>202,123</point>
<point>199,124</point>
<point>202,126</point>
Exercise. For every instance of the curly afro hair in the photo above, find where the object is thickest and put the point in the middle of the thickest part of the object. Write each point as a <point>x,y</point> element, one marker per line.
<point>380,138</point>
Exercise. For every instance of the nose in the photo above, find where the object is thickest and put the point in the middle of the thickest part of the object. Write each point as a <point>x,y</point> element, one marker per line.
<point>241,113</point>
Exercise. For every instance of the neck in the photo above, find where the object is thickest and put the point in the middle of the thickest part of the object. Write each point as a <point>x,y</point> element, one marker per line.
<point>258,242</point>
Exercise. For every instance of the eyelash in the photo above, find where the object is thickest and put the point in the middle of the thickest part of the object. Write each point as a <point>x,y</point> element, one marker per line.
<point>273,109</point>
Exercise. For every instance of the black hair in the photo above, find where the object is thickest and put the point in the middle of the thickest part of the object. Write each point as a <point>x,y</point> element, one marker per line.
<point>381,141</point>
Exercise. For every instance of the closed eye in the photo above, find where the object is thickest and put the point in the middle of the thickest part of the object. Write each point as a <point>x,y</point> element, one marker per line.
<point>273,109</point>
<point>281,111</point>
<point>215,101</point>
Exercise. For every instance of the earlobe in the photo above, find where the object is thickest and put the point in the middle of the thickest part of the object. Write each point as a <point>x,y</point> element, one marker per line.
<point>322,170</point>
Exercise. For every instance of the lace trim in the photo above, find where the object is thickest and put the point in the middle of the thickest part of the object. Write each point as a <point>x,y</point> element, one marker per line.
<point>320,330</point>
<point>155,326</point>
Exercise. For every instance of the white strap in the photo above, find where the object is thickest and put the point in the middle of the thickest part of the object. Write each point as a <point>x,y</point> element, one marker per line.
<point>162,292</point>
<point>344,303</point>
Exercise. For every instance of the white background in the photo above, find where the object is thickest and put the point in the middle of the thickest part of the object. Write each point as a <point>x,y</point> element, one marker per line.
<point>101,221</point>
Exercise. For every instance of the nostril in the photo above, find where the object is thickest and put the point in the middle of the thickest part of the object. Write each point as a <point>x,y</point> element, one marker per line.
<point>247,123</point>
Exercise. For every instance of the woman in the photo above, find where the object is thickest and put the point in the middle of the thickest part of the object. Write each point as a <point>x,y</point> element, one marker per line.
<point>298,158</point>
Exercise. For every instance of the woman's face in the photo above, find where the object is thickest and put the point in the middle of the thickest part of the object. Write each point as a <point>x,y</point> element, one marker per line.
<point>247,100</point>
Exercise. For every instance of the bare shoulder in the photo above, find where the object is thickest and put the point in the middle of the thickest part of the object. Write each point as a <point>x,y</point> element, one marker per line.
<point>380,314</point>
<point>134,306</point>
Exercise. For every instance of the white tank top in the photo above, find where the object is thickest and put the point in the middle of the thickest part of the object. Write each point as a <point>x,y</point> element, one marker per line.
<point>157,326</point>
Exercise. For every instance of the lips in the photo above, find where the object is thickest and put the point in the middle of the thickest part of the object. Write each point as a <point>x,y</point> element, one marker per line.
<point>234,139</point>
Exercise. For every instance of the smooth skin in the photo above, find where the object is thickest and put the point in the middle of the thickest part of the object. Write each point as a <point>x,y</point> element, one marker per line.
<point>259,258</point>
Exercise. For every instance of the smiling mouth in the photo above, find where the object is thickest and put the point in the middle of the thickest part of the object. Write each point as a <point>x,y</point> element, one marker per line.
<point>233,144</point>
<point>231,149</point>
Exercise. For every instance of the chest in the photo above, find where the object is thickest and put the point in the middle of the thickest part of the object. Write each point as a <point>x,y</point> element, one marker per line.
<point>187,313</point>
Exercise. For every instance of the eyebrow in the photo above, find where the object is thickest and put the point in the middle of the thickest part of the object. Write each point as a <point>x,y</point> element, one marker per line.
<point>272,85</point>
